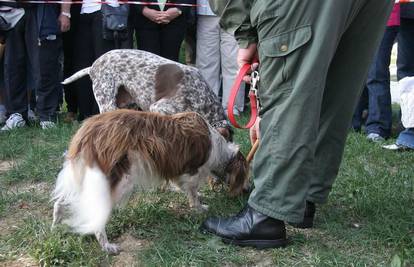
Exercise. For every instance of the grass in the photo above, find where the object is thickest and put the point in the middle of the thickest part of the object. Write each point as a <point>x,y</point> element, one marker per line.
<point>368,221</point>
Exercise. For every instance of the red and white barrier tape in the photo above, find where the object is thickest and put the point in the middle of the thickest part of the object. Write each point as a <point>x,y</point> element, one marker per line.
<point>98,2</point>
<point>128,2</point>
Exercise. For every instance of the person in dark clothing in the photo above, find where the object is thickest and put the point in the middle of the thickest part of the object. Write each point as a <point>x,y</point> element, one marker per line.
<point>68,65</point>
<point>161,28</point>
<point>36,42</point>
<point>88,45</point>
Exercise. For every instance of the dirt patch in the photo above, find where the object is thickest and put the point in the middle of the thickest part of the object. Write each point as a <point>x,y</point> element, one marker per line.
<point>130,248</point>
<point>22,261</point>
<point>6,165</point>
<point>40,188</point>
<point>260,258</point>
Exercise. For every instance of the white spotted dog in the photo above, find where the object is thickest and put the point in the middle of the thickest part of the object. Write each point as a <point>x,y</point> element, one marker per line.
<point>115,152</point>
<point>127,78</point>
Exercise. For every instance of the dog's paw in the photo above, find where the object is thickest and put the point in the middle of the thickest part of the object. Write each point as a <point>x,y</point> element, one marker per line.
<point>111,248</point>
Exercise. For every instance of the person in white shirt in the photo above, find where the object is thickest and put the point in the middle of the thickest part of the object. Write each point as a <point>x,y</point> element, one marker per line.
<point>216,55</point>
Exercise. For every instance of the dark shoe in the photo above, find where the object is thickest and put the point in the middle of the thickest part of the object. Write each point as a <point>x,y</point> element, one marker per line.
<point>248,228</point>
<point>307,222</point>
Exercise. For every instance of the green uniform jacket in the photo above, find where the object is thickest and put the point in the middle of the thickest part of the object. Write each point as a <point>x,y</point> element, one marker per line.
<point>235,18</point>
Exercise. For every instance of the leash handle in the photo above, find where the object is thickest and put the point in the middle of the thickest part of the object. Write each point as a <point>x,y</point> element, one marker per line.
<point>252,96</point>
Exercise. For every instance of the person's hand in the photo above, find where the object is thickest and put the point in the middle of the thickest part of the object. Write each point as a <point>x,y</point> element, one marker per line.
<point>153,15</point>
<point>255,131</point>
<point>170,14</point>
<point>64,22</point>
<point>248,56</point>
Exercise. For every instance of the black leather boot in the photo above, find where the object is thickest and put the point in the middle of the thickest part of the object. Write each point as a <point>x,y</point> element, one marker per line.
<point>307,222</point>
<point>248,228</point>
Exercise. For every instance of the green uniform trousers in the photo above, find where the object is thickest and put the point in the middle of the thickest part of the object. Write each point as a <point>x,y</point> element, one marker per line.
<point>314,56</point>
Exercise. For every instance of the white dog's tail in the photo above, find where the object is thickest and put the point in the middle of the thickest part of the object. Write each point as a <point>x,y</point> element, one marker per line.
<point>87,194</point>
<point>77,75</point>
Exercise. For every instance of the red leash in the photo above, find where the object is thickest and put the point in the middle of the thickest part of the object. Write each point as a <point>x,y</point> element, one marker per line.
<point>252,96</point>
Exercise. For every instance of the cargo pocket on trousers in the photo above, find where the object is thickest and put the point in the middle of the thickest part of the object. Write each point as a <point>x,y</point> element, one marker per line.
<point>285,47</point>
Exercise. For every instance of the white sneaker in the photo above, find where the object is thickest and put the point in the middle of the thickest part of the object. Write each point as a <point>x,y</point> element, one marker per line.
<point>396,147</point>
<point>47,124</point>
<point>376,138</point>
<point>14,121</point>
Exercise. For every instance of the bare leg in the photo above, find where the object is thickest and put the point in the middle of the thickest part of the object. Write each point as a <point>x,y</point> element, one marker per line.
<point>106,246</point>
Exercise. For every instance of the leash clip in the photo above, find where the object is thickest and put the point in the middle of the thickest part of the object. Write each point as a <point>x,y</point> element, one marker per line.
<point>253,88</point>
<point>255,79</point>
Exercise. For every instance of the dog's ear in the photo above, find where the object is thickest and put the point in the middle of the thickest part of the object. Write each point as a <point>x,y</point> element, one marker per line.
<point>238,174</point>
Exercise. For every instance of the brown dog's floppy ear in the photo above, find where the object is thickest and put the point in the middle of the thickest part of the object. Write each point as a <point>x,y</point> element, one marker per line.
<point>238,171</point>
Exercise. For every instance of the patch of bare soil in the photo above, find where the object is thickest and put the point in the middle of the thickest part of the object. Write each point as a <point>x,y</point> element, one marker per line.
<point>6,165</point>
<point>22,261</point>
<point>130,248</point>
<point>260,258</point>
<point>40,188</point>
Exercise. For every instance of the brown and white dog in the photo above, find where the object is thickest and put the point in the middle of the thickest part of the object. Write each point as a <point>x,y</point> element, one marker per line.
<point>114,152</point>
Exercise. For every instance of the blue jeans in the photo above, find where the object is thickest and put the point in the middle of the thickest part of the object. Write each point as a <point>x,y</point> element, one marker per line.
<point>405,65</point>
<point>406,138</point>
<point>377,89</point>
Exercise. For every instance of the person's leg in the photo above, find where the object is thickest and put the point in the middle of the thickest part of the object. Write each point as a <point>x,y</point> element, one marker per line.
<point>356,48</point>
<point>406,138</point>
<point>2,97</point>
<point>32,64</point>
<point>208,53</point>
<point>190,41</point>
<point>68,69</point>
<point>298,54</point>
<point>15,60</point>
<point>48,91</point>
<point>378,83</point>
<point>229,69</point>
<point>357,120</point>
<point>172,36</point>
<point>84,57</point>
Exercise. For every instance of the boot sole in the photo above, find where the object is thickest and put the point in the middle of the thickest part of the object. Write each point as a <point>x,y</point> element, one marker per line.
<point>259,244</point>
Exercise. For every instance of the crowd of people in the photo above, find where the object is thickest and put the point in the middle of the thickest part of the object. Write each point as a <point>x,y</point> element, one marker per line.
<point>39,39</point>
<point>45,43</point>
<point>376,96</point>
<point>314,58</point>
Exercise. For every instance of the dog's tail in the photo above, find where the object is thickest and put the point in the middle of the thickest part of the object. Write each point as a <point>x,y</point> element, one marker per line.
<point>88,200</point>
<point>77,76</point>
